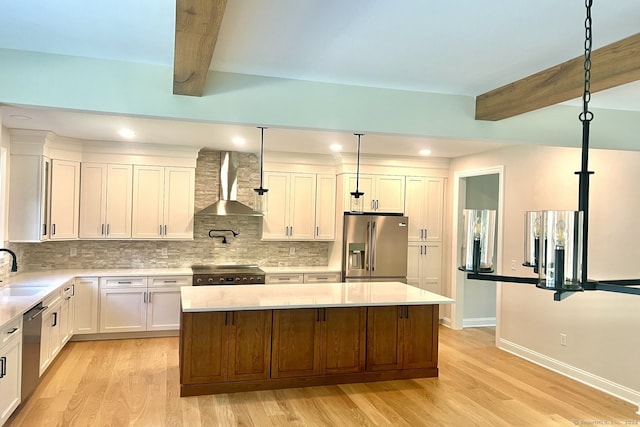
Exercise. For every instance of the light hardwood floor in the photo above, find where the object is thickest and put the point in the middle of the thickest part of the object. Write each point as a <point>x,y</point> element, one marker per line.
<point>135,382</point>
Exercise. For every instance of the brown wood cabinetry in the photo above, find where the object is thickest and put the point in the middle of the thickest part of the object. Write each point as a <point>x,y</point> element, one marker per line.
<point>222,352</point>
<point>402,337</point>
<point>320,341</point>
<point>225,346</point>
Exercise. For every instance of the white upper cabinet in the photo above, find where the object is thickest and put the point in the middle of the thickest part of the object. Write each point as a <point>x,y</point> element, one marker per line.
<point>424,207</point>
<point>29,198</point>
<point>325,207</point>
<point>105,201</point>
<point>65,199</point>
<point>382,193</point>
<point>163,199</point>
<point>290,206</point>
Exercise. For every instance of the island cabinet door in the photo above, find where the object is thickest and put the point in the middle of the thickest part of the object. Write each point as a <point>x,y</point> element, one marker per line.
<point>204,347</point>
<point>296,343</point>
<point>249,345</point>
<point>420,336</point>
<point>384,338</point>
<point>344,339</point>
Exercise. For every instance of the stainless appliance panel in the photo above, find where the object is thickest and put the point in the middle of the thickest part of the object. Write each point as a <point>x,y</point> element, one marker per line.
<point>31,336</point>
<point>374,246</point>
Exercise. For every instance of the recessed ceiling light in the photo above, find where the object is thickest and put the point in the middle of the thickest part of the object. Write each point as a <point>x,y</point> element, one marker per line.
<point>336,147</point>
<point>425,152</point>
<point>19,117</point>
<point>238,140</point>
<point>127,133</point>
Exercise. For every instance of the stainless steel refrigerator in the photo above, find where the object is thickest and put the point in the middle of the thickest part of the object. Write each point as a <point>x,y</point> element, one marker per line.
<point>375,247</point>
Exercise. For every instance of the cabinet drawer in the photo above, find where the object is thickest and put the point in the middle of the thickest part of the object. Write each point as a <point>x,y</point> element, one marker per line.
<point>285,278</point>
<point>322,277</point>
<point>122,282</point>
<point>158,281</point>
<point>10,330</point>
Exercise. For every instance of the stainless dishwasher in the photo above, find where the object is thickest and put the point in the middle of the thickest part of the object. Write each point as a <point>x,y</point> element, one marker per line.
<point>31,334</point>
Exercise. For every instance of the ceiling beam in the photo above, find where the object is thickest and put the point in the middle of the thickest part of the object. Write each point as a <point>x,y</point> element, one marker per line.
<point>198,23</point>
<point>613,65</point>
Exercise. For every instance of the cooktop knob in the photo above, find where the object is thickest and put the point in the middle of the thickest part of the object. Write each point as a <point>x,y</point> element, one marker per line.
<point>198,281</point>
<point>210,280</point>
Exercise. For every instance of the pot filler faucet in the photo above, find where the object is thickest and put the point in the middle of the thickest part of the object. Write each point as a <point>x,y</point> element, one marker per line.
<point>14,264</point>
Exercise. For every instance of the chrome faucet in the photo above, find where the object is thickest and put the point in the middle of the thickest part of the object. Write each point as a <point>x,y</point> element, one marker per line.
<point>14,264</point>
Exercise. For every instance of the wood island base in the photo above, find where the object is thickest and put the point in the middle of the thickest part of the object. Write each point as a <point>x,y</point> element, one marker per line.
<point>248,350</point>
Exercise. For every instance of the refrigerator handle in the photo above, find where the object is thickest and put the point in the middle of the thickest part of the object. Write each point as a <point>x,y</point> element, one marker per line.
<point>367,248</point>
<point>374,238</point>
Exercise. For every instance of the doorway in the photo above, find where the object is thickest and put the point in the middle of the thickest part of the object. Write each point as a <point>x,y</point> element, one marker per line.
<point>477,302</point>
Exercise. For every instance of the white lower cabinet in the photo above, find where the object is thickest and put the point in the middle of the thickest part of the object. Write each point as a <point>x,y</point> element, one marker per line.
<point>86,299</point>
<point>134,304</point>
<point>297,278</point>
<point>10,368</point>
<point>424,266</point>
<point>51,336</point>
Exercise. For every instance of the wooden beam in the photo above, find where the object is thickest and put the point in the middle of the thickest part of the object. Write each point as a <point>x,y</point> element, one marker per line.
<point>198,23</point>
<point>612,65</point>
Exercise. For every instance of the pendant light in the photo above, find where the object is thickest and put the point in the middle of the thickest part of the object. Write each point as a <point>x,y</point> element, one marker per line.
<point>357,201</point>
<point>556,241</point>
<point>260,202</point>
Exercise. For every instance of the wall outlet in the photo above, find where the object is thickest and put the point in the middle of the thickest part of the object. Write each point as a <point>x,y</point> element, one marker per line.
<point>292,251</point>
<point>563,339</point>
<point>164,251</point>
<point>73,252</point>
<point>513,264</point>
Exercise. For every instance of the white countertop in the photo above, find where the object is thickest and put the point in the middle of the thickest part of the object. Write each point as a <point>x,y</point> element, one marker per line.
<point>259,297</point>
<point>12,307</point>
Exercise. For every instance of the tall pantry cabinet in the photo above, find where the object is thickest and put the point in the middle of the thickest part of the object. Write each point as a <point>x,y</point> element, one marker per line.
<point>424,206</point>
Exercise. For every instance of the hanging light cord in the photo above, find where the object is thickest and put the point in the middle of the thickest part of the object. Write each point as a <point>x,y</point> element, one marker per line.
<point>358,193</point>
<point>585,117</point>
<point>261,190</point>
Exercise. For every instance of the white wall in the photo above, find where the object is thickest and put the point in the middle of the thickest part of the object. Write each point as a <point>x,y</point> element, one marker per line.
<point>603,343</point>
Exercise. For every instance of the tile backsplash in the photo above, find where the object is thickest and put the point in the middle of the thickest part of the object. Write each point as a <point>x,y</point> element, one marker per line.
<point>246,248</point>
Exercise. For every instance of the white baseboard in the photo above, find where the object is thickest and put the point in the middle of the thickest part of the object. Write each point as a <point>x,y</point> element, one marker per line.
<point>602,384</point>
<point>478,322</point>
<point>446,321</point>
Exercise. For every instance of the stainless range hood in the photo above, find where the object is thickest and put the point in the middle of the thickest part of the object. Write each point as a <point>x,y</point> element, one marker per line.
<point>228,205</point>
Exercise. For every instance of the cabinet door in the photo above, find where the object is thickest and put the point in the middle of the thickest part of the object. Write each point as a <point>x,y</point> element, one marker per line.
<point>389,194</point>
<point>276,215</point>
<point>296,343</point>
<point>302,207</point>
<point>415,259</point>
<point>344,339</point>
<point>65,199</point>
<point>434,209</point>
<point>178,203</point>
<point>325,207</point>
<point>123,310</point>
<point>148,202</point>
<point>420,337</point>
<point>93,200</point>
<point>163,308</point>
<point>118,201</point>
<point>11,364</point>
<point>86,306</point>
<point>365,185</point>
<point>50,340</point>
<point>432,268</point>
<point>249,345</point>
<point>384,338</point>
<point>204,347</point>
<point>65,321</point>
<point>415,207</point>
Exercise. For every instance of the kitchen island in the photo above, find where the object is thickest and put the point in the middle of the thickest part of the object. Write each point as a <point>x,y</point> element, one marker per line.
<point>254,337</point>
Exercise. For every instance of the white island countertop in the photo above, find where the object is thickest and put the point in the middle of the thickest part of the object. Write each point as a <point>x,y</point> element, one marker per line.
<point>261,297</point>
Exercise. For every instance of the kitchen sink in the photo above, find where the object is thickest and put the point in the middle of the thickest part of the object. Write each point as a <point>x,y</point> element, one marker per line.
<point>20,291</point>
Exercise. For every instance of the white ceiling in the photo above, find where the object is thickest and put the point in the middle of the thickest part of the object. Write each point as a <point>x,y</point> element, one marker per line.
<point>464,47</point>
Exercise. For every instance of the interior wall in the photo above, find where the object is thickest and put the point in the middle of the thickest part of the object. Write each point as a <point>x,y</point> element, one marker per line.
<point>480,297</point>
<point>603,345</point>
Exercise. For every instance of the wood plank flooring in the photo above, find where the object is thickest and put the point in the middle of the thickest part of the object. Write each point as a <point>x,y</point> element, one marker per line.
<point>135,382</point>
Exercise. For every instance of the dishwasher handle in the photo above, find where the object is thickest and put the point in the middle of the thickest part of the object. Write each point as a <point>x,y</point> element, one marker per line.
<point>38,313</point>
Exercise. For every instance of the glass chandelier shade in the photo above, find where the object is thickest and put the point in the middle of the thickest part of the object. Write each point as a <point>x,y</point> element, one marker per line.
<point>532,230</point>
<point>478,243</point>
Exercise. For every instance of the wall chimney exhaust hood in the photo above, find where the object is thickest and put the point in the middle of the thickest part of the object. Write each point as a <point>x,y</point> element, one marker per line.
<point>228,205</point>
